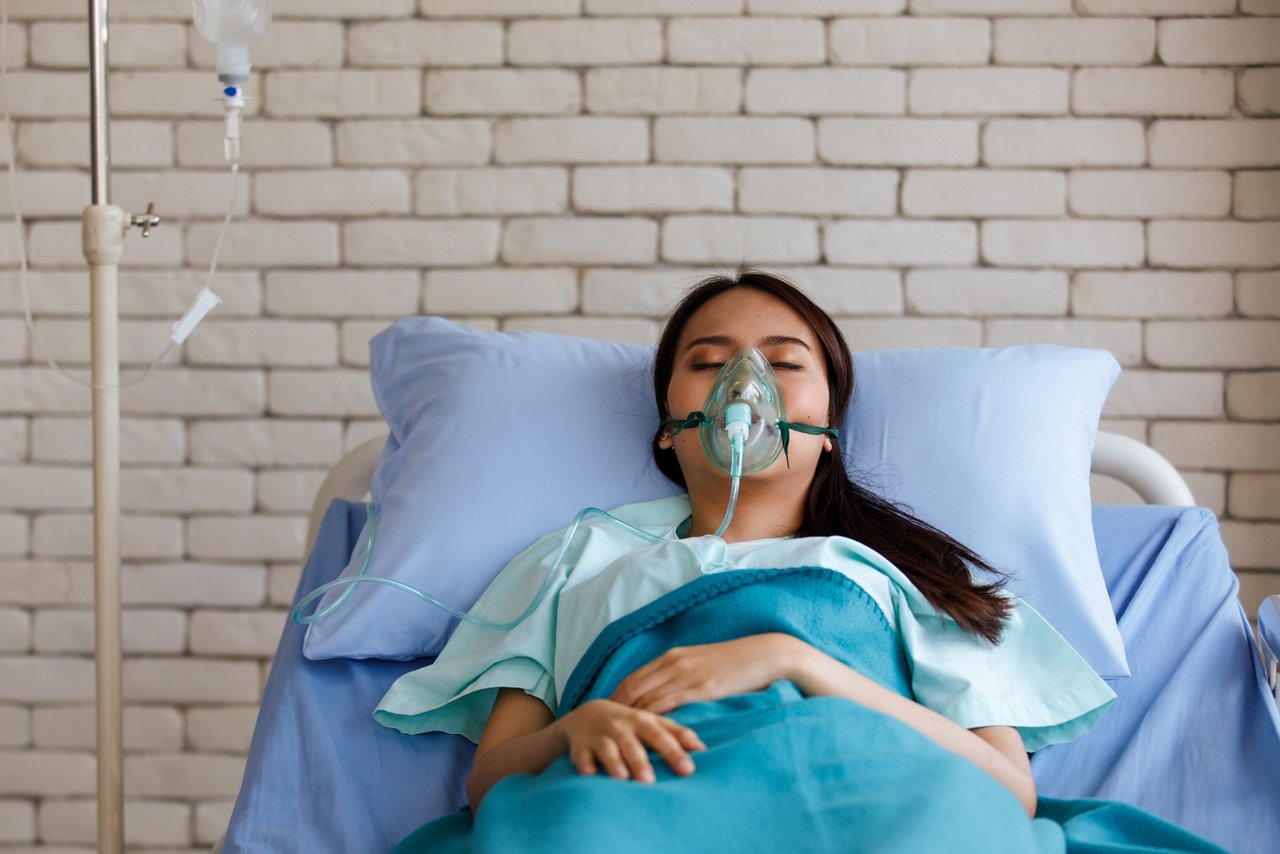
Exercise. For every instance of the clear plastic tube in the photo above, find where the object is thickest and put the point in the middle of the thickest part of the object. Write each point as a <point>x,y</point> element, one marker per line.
<point>361,578</point>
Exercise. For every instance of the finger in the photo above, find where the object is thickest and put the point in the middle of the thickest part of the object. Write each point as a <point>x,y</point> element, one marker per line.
<point>667,746</point>
<point>627,689</point>
<point>647,686</point>
<point>611,758</point>
<point>638,758</point>
<point>687,737</point>
<point>660,705</point>
<point>583,761</point>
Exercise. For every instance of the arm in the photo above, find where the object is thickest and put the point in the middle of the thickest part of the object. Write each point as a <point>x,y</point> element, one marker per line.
<point>520,737</point>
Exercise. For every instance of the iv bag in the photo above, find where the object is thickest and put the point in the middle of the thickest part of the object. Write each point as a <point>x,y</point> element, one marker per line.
<point>231,25</point>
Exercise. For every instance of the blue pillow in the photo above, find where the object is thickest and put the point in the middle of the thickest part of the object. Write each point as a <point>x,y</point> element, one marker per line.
<point>498,438</point>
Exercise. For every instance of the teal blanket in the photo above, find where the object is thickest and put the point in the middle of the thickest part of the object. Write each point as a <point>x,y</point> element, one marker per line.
<point>781,771</point>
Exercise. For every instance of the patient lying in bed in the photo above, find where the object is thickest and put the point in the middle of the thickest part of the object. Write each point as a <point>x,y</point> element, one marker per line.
<point>827,674</point>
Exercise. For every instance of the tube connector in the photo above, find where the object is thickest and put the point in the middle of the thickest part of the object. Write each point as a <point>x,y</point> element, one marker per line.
<point>205,302</point>
<point>233,104</point>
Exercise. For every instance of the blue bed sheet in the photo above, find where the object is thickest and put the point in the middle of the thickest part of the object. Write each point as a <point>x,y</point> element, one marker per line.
<point>1193,736</point>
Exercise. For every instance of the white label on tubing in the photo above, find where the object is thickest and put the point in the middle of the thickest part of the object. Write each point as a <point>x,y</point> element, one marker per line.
<point>205,302</point>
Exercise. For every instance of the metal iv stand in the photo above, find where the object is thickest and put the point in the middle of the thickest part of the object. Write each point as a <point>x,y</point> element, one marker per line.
<point>104,227</point>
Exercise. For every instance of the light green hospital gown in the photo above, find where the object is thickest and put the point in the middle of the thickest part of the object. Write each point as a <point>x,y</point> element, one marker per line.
<point>1033,679</point>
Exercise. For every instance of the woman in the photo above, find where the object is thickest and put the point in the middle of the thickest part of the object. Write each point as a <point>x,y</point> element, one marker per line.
<point>639,705</point>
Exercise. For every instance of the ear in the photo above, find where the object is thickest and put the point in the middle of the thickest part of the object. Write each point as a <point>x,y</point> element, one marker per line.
<point>665,442</point>
<point>826,443</point>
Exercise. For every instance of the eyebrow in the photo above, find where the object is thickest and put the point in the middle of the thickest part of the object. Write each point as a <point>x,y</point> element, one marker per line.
<point>726,341</point>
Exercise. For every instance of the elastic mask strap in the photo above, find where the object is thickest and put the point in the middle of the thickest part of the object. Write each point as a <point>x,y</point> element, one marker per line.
<point>785,427</point>
<point>695,419</point>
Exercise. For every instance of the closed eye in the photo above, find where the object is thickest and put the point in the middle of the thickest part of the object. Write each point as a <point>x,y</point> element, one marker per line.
<point>786,366</point>
<point>702,366</point>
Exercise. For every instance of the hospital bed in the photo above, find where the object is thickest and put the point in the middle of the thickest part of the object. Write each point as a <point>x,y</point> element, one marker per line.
<point>1194,735</point>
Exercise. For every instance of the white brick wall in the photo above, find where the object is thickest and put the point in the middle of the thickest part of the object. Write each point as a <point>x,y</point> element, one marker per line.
<point>936,172</point>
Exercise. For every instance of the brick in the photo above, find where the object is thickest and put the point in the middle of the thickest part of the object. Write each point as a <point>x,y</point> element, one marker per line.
<point>13,341</point>
<point>743,41</point>
<point>1151,294</point>
<point>1255,7</point>
<point>1257,195</point>
<point>622,240</point>
<point>47,773</point>
<point>17,821</point>
<point>315,394</point>
<point>196,392</point>
<point>134,144</point>
<point>45,679</point>
<point>1063,242</point>
<point>644,292</point>
<point>13,439</point>
<point>1255,587</point>
<point>290,491</point>
<point>1227,144</point>
<point>1254,496</point>
<point>850,291</point>
<point>983,292</point>
<point>236,633</point>
<point>1209,489</point>
<point>221,729</point>
<point>344,8</point>
<point>1252,546</point>
<point>174,93</point>
<point>909,41</point>
<point>1233,447</point>
<point>335,192</point>
<point>1258,294</point>
<point>146,728</point>
<point>725,141</point>
<point>838,192</point>
<point>1122,338</point>
<point>186,491</point>
<point>46,488</point>
<point>1156,8</point>
<point>150,823</point>
<point>607,329</point>
<point>46,583</point>
<point>265,243</point>
<point>1063,142</point>
<point>664,7</point>
<point>983,193</point>
<point>293,343</point>
<point>68,342</point>
<point>420,243</point>
<point>342,293</point>
<point>343,94</point>
<point>1206,41</point>
<point>47,194</point>
<point>48,95</point>
<point>571,140</point>
<point>502,292</point>
<point>14,535</point>
<point>503,91</point>
<point>422,44</point>
<point>58,244</point>
<point>491,192</point>
<point>1165,394</point>
<point>1259,91</point>
<point>886,332</point>
<point>733,239</point>
<point>652,188</point>
<point>133,45</point>
<point>989,7</point>
<point>41,390</point>
<point>283,582</point>
<point>650,91</point>
<point>898,142</point>
<point>210,585</point>
<point>266,443</point>
<point>141,537</point>
<point>584,42</point>
<point>987,91</point>
<point>1152,92</point>
<point>1213,344</point>
<point>266,143</point>
<point>1074,42</point>
<point>15,630</point>
<point>1207,243</point>
<point>498,8</point>
<point>183,775</point>
<point>151,631</point>
<point>142,292</point>
<point>421,142</point>
<point>821,91</point>
<point>190,680</point>
<point>1254,396</point>
<point>901,243</point>
<point>826,8</point>
<point>1149,193</point>
<point>286,44</point>
<point>212,820</point>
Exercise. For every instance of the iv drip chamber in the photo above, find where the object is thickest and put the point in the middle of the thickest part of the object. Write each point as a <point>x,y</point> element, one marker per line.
<point>231,25</point>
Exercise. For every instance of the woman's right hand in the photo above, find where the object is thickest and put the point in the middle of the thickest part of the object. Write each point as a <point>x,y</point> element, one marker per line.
<point>615,736</point>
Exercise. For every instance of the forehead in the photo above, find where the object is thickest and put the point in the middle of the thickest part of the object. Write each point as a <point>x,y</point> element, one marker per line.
<point>747,317</point>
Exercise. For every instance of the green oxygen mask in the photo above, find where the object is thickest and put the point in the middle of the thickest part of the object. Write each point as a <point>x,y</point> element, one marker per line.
<point>743,424</point>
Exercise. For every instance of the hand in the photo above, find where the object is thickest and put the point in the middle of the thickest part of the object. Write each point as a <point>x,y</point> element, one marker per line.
<point>688,674</point>
<point>616,735</point>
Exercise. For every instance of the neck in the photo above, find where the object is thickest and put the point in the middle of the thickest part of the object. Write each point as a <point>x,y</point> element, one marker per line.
<point>765,510</point>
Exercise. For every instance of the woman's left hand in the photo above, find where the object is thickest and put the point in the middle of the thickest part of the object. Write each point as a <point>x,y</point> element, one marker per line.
<point>689,674</point>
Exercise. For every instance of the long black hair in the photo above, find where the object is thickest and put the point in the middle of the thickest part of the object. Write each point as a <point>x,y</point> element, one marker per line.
<point>836,505</point>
